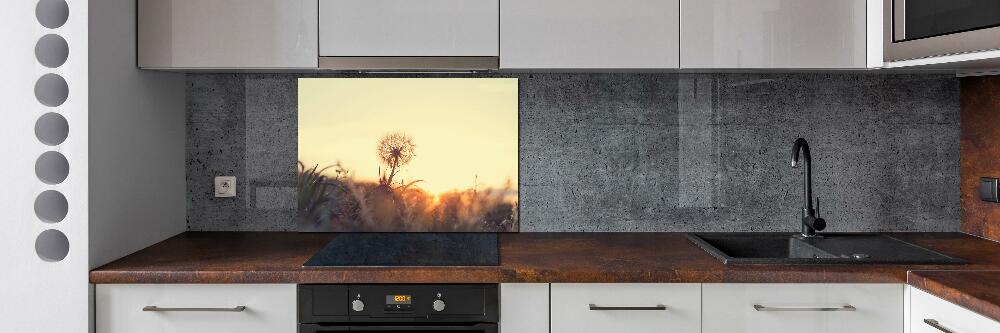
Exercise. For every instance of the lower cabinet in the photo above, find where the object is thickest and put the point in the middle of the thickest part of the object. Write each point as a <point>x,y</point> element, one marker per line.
<point>930,314</point>
<point>569,308</point>
<point>816,308</point>
<point>625,307</point>
<point>195,308</point>
<point>524,307</point>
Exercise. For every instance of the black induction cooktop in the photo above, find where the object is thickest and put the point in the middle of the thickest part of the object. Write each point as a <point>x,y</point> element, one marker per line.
<point>408,249</point>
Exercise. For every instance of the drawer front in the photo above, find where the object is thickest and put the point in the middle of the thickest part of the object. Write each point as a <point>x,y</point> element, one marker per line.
<point>946,315</point>
<point>659,308</point>
<point>774,308</point>
<point>269,308</point>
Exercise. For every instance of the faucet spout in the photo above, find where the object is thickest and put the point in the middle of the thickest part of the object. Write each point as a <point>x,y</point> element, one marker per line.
<point>810,222</point>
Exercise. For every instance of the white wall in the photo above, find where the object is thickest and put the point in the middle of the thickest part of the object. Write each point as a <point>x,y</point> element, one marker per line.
<point>126,135</point>
<point>137,187</point>
<point>38,295</point>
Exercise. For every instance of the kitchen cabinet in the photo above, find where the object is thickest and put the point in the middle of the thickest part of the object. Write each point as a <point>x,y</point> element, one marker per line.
<point>777,34</point>
<point>818,308</point>
<point>522,34</point>
<point>524,308</point>
<point>571,307</point>
<point>193,34</point>
<point>625,307</point>
<point>930,314</point>
<point>589,34</point>
<point>405,28</point>
<point>190,308</point>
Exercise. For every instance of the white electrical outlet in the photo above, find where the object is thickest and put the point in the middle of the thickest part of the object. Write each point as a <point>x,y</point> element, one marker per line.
<point>225,187</point>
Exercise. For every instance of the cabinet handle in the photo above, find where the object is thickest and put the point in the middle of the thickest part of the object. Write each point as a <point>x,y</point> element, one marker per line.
<point>848,307</point>
<point>154,308</point>
<point>658,307</point>
<point>935,324</point>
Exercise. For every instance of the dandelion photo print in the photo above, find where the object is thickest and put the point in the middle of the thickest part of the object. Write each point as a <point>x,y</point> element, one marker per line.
<point>408,155</point>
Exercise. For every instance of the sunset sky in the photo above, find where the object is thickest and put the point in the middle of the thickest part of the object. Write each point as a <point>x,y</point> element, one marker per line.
<point>462,127</point>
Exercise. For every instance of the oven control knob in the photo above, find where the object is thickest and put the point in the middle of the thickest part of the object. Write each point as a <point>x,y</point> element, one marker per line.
<point>358,305</point>
<point>438,305</point>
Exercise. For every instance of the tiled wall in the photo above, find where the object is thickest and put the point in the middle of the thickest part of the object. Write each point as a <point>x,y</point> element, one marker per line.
<point>640,152</point>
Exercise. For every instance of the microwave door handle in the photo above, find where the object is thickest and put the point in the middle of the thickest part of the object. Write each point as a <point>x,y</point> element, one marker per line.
<point>898,17</point>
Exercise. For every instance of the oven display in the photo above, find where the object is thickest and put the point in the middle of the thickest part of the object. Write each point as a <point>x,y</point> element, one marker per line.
<point>398,299</point>
<point>399,303</point>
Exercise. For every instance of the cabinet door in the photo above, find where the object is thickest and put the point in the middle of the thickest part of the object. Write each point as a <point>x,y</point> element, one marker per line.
<point>407,28</point>
<point>626,307</point>
<point>589,34</point>
<point>524,308</point>
<point>927,310</point>
<point>269,308</point>
<point>227,33</point>
<point>815,308</point>
<point>773,34</point>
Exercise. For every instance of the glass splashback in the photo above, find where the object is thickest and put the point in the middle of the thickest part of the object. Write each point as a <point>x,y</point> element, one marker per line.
<point>408,154</point>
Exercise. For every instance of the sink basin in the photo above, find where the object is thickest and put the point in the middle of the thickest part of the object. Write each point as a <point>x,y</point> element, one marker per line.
<point>785,248</point>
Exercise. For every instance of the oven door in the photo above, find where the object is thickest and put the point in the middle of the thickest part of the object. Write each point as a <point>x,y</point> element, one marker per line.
<point>473,328</point>
<point>927,28</point>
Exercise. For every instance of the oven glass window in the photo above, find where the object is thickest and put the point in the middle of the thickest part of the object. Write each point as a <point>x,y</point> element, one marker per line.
<point>929,18</point>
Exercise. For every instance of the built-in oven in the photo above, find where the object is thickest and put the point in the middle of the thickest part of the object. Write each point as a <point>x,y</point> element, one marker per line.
<point>928,28</point>
<point>387,308</point>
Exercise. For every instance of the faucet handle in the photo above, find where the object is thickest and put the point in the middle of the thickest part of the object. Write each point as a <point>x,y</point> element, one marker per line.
<point>818,224</point>
<point>817,206</point>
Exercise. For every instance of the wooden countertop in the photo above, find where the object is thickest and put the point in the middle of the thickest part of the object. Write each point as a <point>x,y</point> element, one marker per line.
<point>978,291</point>
<point>270,257</point>
<point>273,257</point>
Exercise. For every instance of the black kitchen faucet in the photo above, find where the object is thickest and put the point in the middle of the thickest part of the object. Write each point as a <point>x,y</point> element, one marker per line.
<point>810,221</point>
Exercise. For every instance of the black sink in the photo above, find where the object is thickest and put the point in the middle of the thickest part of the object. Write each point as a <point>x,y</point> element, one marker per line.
<point>786,248</point>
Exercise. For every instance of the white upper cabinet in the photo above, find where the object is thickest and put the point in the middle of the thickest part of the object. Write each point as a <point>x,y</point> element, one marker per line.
<point>227,33</point>
<point>408,28</point>
<point>775,34</point>
<point>523,34</point>
<point>582,34</point>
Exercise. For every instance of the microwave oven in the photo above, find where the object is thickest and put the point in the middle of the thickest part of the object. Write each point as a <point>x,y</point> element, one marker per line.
<point>915,29</point>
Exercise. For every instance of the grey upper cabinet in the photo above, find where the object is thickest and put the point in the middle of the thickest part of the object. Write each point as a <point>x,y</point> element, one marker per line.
<point>409,28</point>
<point>773,34</point>
<point>589,34</point>
<point>512,34</point>
<point>193,34</point>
